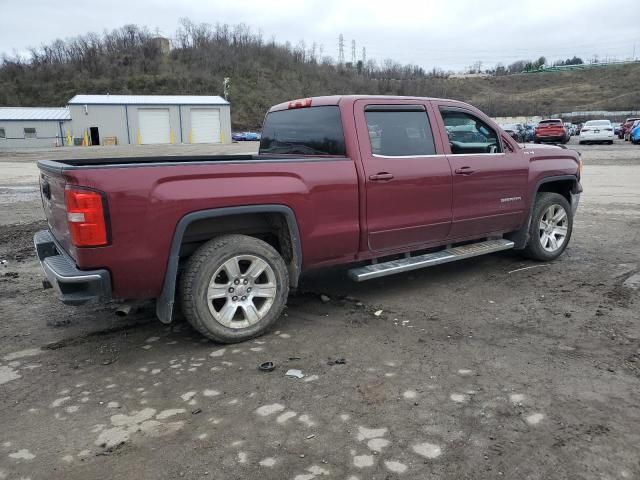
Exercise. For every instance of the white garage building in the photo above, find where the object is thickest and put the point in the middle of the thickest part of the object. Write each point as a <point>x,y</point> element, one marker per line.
<point>32,127</point>
<point>149,119</point>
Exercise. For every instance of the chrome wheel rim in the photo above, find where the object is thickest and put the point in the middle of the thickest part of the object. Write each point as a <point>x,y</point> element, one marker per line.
<point>241,291</point>
<point>554,225</point>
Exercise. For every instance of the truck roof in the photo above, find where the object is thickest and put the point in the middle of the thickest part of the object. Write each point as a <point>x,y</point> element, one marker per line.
<point>337,99</point>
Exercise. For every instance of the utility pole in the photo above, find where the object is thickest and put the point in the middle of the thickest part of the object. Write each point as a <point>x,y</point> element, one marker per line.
<point>341,50</point>
<point>226,86</point>
<point>353,52</point>
<point>364,55</point>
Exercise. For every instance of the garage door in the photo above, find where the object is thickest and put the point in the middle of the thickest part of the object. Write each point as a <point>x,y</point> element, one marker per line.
<point>205,125</point>
<point>154,125</point>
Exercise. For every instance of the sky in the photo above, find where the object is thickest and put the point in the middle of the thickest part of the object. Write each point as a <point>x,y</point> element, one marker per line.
<point>446,34</point>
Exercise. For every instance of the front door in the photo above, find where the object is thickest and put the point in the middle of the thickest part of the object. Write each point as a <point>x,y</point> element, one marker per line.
<point>489,176</point>
<point>406,175</point>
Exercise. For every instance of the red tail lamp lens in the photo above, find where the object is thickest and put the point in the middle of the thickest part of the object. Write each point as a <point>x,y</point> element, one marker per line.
<point>86,217</point>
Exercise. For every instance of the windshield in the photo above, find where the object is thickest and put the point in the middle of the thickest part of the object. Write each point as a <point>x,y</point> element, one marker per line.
<point>303,131</point>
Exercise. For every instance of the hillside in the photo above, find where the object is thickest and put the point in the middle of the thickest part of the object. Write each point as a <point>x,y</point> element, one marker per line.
<point>262,73</point>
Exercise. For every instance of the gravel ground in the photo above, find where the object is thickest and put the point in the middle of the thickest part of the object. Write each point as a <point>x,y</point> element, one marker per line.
<point>480,369</point>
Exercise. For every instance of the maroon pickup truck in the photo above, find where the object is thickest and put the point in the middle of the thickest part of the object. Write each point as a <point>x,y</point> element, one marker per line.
<point>387,184</point>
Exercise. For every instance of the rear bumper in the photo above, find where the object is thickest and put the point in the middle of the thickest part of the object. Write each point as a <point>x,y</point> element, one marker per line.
<point>597,137</point>
<point>550,138</point>
<point>73,286</point>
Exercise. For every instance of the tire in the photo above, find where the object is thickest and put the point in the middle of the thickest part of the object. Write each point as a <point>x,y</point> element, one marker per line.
<point>581,143</point>
<point>535,248</point>
<point>610,142</point>
<point>536,141</point>
<point>234,314</point>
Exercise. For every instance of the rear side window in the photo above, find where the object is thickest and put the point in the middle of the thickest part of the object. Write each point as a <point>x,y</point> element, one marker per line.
<point>3,134</point>
<point>303,131</point>
<point>399,133</point>
<point>29,132</point>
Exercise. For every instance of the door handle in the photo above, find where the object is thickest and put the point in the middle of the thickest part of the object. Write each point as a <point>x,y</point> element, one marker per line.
<point>378,177</point>
<point>464,171</point>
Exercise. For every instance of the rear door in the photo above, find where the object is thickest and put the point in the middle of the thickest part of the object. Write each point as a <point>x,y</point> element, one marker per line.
<point>406,174</point>
<point>489,174</point>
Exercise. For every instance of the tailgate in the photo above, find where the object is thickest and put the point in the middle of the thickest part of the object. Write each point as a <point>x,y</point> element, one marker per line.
<point>52,192</point>
<point>552,129</point>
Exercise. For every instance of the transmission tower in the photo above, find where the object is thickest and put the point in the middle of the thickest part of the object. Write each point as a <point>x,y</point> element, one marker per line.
<point>340,49</point>
<point>364,55</point>
<point>353,52</point>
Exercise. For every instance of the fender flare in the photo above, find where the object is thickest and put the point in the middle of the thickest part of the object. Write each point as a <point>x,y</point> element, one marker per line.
<point>166,301</point>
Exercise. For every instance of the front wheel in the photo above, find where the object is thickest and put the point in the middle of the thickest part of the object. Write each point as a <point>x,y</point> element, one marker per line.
<point>234,288</point>
<point>550,228</point>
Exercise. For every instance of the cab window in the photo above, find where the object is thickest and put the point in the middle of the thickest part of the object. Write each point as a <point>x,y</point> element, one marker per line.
<point>468,134</point>
<point>399,131</point>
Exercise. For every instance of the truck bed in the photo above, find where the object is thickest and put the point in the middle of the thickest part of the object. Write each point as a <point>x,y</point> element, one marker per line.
<point>146,197</point>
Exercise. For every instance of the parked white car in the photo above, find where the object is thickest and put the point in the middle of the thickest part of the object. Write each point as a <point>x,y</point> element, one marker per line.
<point>597,131</point>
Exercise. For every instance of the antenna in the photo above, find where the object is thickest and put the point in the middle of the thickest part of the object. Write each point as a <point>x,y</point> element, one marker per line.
<point>353,52</point>
<point>340,49</point>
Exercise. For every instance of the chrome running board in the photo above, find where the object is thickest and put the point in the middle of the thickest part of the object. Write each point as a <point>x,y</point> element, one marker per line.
<point>407,264</point>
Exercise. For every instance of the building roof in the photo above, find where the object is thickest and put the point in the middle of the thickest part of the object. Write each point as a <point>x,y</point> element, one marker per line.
<point>34,113</point>
<point>147,100</point>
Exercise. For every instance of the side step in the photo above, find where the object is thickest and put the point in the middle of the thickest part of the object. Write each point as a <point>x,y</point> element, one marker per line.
<point>407,264</point>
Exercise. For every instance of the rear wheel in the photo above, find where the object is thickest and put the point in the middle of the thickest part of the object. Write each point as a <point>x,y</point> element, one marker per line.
<point>550,228</point>
<point>234,288</point>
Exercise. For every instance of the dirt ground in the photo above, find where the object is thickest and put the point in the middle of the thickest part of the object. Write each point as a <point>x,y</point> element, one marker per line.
<point>481,369</point>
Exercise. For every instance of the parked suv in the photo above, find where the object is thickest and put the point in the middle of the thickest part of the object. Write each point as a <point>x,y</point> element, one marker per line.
<point>552,130</point>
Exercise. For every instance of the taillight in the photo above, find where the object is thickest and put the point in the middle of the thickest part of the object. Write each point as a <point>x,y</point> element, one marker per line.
<point>302,103</point>
<point>584,130</point>
<point>609,129</point>
<point>86,217</point>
